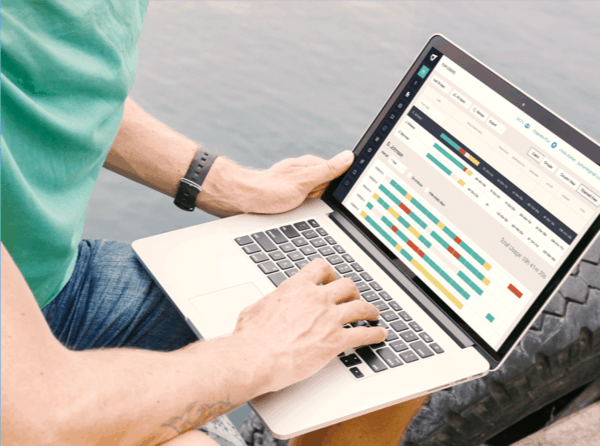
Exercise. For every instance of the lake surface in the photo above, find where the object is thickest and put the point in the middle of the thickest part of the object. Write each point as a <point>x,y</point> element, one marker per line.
<point>263,81</point>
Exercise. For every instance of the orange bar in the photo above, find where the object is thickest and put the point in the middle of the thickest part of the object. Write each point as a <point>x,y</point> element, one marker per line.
<point>457,239</point>
<point>514,290</point>
<point>394,228</point>
<point>404,208</point>
<point>462,151</point>
<point>413,246</point>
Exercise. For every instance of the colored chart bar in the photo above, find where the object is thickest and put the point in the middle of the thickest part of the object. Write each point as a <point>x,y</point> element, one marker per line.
<point>490,318</point>
<point>458,164</point>
<point>402,206</point>
<point>404,223</point>
<point>459,148</point>
<point>440,165</point>
<point>469,282</point>
<point>515,291</point>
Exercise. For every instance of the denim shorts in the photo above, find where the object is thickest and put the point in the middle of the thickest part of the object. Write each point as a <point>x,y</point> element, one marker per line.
<point>110,301</point>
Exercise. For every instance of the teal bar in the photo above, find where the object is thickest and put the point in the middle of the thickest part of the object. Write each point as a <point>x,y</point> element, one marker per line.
<point>418,220</point>
<point>449,141</point>
<point>370,205</point>
<point>473,270</point>
<point>398,187</point>
<point>490,318</point>
<point>389,194</point>
<point>425,241</point>
<point>440,165</point>
<point>439,239</point>
<point>469,282</point>
<point>458,164</point>
<point>406,255</point>
<point>390,224</point>
<point>383,203</point>
<point>449,232</point>
<point>448,279</point>
<point>381,231</point>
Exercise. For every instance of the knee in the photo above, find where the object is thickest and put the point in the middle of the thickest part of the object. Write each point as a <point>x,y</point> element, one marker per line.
<point>192,438</point>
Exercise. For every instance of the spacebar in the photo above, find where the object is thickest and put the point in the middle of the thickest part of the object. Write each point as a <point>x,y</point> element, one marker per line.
<point>277,278</point>
<point>371,359</point>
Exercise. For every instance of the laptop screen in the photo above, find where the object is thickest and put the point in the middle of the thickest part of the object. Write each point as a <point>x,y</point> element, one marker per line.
<point>478,200</point>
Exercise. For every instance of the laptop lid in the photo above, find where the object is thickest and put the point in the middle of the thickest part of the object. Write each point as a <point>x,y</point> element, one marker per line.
<point>480,195</point>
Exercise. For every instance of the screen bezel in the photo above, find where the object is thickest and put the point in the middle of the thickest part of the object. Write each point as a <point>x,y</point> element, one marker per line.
<point>536,111</point>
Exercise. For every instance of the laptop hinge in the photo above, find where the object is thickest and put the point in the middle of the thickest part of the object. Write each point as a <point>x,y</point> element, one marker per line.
<point>449,326</point>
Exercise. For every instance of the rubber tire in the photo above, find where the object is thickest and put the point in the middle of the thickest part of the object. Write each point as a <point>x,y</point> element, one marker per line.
<point>560,353</point>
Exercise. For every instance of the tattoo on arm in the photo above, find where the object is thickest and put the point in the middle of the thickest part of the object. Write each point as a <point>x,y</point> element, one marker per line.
<point>197,415</point>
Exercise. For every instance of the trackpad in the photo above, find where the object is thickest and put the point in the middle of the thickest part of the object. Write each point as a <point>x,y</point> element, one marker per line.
<point>220,309</point>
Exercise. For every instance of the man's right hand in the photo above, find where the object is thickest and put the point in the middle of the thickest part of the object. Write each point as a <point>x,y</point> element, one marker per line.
<point>300,325</point>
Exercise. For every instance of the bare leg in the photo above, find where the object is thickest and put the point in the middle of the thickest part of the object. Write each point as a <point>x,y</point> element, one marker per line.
<point>192,438</point>
<point>382,428</point>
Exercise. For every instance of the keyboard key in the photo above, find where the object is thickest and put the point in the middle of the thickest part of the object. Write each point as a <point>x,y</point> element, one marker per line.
<point>291,272</point>
<point>295,256</point>
<point>357,267</point>
<point>399,325</point>
<point>389,316</point>
<point>268,267</point>
<point>350,360</point>
<point>381,305</point>
<point>421,349</point>
<point>378,345</point>
<point>404,315</point>
<point>299,241</point>
<point>308,250</point>
<point>310,234</point>
<point>366,276</point>
<point>389,357</point>
<point>409,336</point>
<point>287,247</point>
<point>251,249</point>
<point>315,256</point>
<point>277,236</point>
<point>285,264</point>
<point>360,324</point>
<point>335,260</point>
<point>313,223</point>
<point>426,337</point>
<point>371,359</point>
<point>265,242</point>
<point>416,327</point>
<point>348,258</point>
<point>339,249</point>
<point>395,305</point>
<point>355,277</point>
<point>436,348</point>
<point>362,287</point>
<point>409,356</point>
<point>289,231</point>
<point>277,255</point>
<point>322,232</point>
<point>375,286</point>
<point>326,251</point>
<point>302,263</point>
<point>329,239</point>
<point>370,296</point>
<point>399,346</point>
<point>318,242</point>
<point>259,257</point>
<point>343,268</point>
<point>392,336</point>
<point>378,323</point>
<point>244,240</point>
<point>301,226</point>
<point>357,373</point>
<point>277,278</point>
<point>385,296</point>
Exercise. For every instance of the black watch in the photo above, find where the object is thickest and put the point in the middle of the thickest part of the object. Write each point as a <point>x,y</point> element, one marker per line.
<point>191,185</point>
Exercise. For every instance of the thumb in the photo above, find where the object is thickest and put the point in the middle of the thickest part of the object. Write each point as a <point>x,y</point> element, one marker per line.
<point>333,168</point>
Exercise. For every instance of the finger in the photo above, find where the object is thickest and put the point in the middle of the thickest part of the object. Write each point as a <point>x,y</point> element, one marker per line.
<point>341,291</point>
<point>359,336</point>
<point>331,169</point>
<point>358,310</point>
<point>318,271</point>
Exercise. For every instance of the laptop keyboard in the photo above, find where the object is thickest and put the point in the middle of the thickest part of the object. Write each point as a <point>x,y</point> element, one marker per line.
<point>282,252</point>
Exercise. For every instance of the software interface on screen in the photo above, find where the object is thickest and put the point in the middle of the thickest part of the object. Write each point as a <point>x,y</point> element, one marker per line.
<point>480,201</point>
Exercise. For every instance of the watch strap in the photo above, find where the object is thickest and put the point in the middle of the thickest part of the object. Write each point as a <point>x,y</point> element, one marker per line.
<point>191,185</point>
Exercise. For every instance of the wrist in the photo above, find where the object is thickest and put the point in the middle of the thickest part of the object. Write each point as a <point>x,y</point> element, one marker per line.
<point>227,188</point>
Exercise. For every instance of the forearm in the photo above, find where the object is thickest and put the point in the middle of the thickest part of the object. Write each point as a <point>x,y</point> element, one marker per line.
<point>150,153</point>
<point>129,396</point>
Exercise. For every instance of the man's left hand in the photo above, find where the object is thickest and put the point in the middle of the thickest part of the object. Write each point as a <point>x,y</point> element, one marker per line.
<point>230,189</point>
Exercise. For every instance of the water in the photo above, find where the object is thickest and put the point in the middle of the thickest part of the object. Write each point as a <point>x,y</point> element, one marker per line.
<point>263,81</point>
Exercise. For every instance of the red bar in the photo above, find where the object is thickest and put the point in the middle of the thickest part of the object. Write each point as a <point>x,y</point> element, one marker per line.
<point>394,228</point>
<point>413,246</point>
<point>421,253</point>
<point>465,169</point>
<point>516,292</point>
<point>404,208</point>
<point>462,151</point>
<point>457,239</point>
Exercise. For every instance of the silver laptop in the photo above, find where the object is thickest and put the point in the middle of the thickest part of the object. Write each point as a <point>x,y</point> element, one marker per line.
<point>466,207</point>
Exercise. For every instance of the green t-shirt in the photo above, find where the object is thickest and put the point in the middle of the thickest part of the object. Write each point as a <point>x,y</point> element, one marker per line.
<point>67,67</point>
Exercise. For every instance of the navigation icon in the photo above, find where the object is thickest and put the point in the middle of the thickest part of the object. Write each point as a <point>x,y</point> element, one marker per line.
<point>433,57</point>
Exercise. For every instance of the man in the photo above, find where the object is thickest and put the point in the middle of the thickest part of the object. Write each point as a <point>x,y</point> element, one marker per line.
<point>107,359</point>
